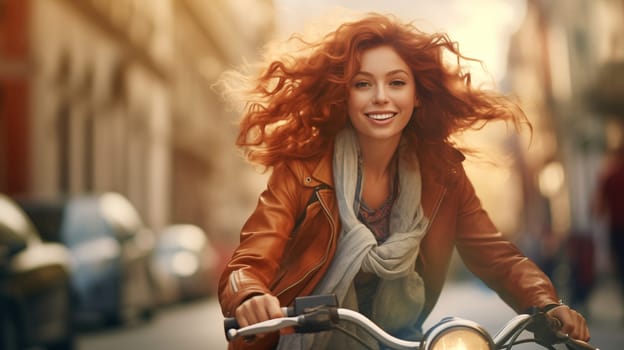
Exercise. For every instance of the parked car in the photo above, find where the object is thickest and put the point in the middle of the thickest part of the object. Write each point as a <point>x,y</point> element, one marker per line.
<point>184,263</point>
<point>35,290</point>
<point>111,249</point>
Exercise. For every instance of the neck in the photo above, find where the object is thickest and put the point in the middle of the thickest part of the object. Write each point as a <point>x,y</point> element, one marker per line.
<point>377,156</point>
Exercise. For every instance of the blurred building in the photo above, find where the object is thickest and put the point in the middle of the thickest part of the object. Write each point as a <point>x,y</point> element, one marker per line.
<point>212,185</point>
<point>554,60</point>
<point>114,95</point>
<point>14,86</point>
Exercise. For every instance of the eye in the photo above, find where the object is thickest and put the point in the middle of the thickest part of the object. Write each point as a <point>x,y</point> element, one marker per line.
<point>361,84</point>
<point>397,82</point>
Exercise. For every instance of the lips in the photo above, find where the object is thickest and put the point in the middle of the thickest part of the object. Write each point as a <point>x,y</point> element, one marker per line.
<point>380,115</point>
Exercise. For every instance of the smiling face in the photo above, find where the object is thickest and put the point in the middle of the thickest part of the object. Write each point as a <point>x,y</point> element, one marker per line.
<point>382,96</point>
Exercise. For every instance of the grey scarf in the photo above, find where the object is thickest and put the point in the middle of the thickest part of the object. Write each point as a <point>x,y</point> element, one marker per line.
<point>400,293</point>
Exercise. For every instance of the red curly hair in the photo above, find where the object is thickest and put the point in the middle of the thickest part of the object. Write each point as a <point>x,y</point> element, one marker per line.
<point>302,100</point>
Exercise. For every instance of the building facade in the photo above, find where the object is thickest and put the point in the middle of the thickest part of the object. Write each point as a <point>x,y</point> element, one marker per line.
<point>103,95</point>
<point>574,40</point>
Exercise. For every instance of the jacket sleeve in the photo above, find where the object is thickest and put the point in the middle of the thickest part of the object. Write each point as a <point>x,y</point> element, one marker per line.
<point>263,237</point>
<point>494,259</point>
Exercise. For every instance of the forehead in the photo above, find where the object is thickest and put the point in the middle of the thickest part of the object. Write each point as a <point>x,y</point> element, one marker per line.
<point>380,59</point>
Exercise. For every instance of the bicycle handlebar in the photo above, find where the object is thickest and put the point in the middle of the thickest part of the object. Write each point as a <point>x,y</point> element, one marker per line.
<point>320,319</point>
<point>318,313</point>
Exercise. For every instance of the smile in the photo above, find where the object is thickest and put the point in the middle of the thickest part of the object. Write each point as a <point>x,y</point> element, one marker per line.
<point>380,116</point>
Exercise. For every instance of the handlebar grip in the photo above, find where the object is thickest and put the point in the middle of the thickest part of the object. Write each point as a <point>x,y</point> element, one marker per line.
<point>575,344</point>
<point>230,323</point>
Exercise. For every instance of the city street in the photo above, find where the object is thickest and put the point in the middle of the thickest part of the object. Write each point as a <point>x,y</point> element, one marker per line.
<point>141,141</point>
<point>197,325</point>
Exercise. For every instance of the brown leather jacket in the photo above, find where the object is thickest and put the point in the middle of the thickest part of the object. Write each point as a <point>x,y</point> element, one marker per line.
<point>273,259</point>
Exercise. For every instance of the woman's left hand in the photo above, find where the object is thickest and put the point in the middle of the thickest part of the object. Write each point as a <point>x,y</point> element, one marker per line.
<point>572,322</point>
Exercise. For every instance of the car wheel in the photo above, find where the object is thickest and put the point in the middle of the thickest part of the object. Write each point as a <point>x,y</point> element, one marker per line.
<point>65,344</point>
<point>113,319</point>
<point>147,314</point>
<point>9,336</point>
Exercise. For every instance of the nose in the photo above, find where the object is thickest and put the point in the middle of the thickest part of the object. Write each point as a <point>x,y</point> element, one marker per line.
<point>381,96</point>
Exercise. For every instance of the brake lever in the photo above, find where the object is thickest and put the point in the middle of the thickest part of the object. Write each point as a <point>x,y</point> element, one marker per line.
<point>262,327</point>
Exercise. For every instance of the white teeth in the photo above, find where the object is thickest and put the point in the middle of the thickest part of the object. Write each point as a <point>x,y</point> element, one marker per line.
<point>381,116</point>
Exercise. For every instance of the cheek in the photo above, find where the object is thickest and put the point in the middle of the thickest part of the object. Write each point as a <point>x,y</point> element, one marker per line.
<point>354,104</point>
<point>410,99</point>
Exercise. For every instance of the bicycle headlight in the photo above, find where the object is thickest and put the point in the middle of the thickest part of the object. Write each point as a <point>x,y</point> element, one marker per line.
<point>457,334</point>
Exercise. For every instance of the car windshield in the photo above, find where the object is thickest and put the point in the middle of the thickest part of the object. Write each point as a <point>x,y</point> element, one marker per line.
<point>83,222</point>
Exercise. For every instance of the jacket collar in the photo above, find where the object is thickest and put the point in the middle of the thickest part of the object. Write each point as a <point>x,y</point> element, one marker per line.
<point>315,171</point>
<point>318,171</point>
<point>321,170</point>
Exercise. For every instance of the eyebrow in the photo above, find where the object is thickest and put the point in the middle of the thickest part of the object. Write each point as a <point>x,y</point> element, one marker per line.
<point>387,74</point>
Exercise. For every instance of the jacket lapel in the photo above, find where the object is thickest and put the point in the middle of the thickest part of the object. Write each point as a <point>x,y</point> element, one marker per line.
<point>432,191</point>
<point>323,170</point>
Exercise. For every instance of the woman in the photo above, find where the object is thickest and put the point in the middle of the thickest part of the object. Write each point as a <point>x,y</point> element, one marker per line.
<point>367,195</point>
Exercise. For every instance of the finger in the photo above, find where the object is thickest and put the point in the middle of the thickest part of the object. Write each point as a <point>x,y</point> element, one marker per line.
<point>563,314</point>
<point>581,333</point>
<point>572,322</point>
<point>263,309</point>
<point>581,328</point>
<point>586,333</point>
<point>257,311</point>
<point>273,308</point>
<point>567,323</point>
<point>246,313</point>
<point>241,317</point>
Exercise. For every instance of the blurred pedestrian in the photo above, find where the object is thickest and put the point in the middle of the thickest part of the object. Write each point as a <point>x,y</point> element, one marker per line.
<point>610,203</point>
<point>368,195</point>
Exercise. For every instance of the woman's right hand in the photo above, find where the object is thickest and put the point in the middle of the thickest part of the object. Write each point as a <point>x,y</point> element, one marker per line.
<point>258,308</point>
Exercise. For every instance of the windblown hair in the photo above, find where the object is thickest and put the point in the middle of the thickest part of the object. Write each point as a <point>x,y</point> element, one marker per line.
<point>300,100</point>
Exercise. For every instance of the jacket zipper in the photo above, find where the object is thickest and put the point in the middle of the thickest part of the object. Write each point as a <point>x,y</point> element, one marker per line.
<point>333,226</point>
<point>313,198</point>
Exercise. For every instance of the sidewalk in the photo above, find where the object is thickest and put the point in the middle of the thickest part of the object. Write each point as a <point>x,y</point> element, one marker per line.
<point>606,316</point>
